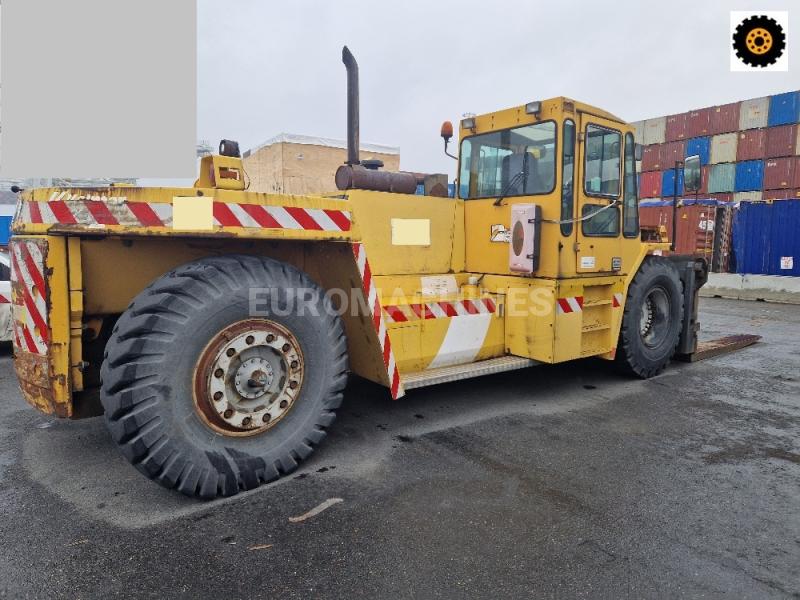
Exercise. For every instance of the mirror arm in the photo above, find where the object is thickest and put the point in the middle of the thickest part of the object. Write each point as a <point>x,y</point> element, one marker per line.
<point>446,142</point>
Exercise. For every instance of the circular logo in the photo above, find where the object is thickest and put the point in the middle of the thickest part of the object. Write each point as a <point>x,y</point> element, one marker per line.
<point>759,41</point>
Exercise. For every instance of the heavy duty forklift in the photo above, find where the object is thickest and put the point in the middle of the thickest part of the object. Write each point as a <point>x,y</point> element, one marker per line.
<point>216,327</point>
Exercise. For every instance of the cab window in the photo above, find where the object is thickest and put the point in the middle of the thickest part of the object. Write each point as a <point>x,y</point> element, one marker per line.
<point>511,162</point>
<point>630,203</point>
<point>568,171</point>
<point>602,171</point>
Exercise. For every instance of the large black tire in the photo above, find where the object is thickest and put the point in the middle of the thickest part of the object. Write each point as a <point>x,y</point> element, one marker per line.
<point>651,321</point>
<point>149,390</point>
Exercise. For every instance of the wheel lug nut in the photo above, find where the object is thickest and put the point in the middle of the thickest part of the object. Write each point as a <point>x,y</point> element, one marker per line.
<point>266,418</point>
<point>285,347</point>
<point>270,337</point>
<point>249,339</point>
<point>293,384</point>
<point>294,364</point>
<point>230,352</point>
<point>218,373</point>
<point>246,422</point>
<point>217,396</point>
<point>228,413</point>
<point>284,404</point>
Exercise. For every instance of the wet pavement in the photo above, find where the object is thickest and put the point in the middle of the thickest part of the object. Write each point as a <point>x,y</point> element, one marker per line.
<point>565,481</point>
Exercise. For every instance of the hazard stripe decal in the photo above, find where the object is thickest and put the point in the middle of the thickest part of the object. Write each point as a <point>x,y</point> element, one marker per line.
<point>571,304</point>
<point>438,310</point>
<point>69,209</point>
<point>616,302</point>
<point>373,302</point>
<point>29,307</point>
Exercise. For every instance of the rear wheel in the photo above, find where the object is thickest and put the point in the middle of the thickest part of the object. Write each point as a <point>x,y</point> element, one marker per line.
<point>205,395</point>
<point>651,322</point>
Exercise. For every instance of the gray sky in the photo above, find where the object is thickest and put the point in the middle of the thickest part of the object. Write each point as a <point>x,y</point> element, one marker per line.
<point>267,67</point>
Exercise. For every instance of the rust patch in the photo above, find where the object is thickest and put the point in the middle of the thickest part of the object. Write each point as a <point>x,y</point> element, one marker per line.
<point>33,373</point>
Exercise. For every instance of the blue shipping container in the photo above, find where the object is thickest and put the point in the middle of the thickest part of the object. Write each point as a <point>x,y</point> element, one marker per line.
<point>784,109</point>
<point>700,146</point>
<point>749,176</point>
<point>668,182</point>
<point>765,240</point>
<point>5,229</point>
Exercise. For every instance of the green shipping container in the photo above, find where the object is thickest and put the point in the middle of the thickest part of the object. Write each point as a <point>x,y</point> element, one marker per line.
<point>721,178</point>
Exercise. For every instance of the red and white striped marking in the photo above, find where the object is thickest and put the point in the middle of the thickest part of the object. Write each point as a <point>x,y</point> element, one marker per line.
<point>30,325</point>
<point>438,310</point>
<point>617,300</point>
<point>5,298</point>
<point>571,304</point>
<point>100,210</point>
<point>373,302</point>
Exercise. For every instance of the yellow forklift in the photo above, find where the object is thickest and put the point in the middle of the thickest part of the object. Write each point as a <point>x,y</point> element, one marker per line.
<point>215,327</point>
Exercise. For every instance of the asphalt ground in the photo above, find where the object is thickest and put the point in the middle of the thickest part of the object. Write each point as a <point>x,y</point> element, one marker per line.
<point>565,481</point>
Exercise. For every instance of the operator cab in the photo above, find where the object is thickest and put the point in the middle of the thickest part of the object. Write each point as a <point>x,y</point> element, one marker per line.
<point>574,164</point>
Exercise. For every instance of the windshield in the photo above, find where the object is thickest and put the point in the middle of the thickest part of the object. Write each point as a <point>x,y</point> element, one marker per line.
<point>512,162</point>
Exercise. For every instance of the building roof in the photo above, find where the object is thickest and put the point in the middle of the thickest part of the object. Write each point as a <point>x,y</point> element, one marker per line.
<point>292,138</point>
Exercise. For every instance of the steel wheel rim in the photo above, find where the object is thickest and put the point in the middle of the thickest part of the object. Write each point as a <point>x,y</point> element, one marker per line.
<point>248,377</point>
<point>654,319</point>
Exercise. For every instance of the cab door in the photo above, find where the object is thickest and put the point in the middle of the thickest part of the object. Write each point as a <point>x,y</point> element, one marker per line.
<point>599,195</point>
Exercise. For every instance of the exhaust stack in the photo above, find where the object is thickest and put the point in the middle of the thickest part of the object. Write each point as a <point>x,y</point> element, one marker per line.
<point>353,124</point>
<point>353,175</point>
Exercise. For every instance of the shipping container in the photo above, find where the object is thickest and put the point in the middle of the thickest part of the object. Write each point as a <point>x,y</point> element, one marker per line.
<point>701,147</point>
<point>696,225</point>
<point>698,122</point>
<point>722,178</point>
<point>781,194</point>
<point>751,144</point>
<point>781,141</point>
<point>749,176</point>
<point>724,119</point>
<point>676,127</point>
<point>652,157</point>
<point>668,183</point>
<point>650,184</point>
<point>784,109</point>
<point>748,196</point>
<point>673,152</point>
<point>723,148</point>
<point>722,197</point>
<point>779,173</point>
<point>765,239</point>
<point>654,131</point>
<point>5,229</point>
<point>638,132</point>
<point>754,113</point>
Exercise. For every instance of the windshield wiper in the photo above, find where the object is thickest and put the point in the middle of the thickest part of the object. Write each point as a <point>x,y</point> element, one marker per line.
<point>511,182</point>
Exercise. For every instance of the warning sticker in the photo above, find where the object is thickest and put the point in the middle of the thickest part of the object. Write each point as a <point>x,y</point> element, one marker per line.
<point>787,262</point>
<point>588,262</point>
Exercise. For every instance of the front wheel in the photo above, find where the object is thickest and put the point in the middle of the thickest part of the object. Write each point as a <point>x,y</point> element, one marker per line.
<point>651,321</point>
<point>210,393</point>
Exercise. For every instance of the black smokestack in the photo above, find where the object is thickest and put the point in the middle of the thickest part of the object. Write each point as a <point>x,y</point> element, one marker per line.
<point>352,106</point>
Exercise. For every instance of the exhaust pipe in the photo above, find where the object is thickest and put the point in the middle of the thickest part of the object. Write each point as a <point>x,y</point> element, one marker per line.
<point>352,174</point>
<point>352,107</point>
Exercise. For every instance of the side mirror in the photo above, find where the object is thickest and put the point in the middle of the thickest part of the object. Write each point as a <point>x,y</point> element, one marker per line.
<point>692,174</point>
<point>638,151</point>
<point>447,134</point>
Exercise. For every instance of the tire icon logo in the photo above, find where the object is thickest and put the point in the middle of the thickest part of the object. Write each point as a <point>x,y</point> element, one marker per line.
<point>759,41</point>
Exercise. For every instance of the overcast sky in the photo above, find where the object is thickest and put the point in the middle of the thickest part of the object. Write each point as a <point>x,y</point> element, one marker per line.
<point>267,67</point>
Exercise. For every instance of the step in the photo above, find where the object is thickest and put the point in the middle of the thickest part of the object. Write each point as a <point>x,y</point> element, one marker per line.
<point>457,372</point>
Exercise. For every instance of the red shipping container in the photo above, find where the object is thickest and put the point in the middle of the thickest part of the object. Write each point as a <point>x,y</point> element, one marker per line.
<point>651,157</point>
<point>695,226</point>
<point>781,141</point>
<point>779,173</point>
<point>751,144</point>
<point>724,119</point>
<point>676,127</point>
<point>698,122</point>
<point>650,184</point>
<point>673,151</point>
